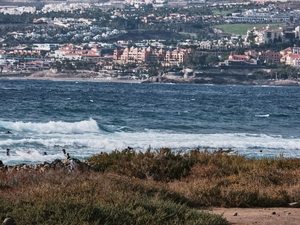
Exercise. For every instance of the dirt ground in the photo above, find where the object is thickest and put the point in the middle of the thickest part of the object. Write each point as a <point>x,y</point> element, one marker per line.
<point>259,216</point>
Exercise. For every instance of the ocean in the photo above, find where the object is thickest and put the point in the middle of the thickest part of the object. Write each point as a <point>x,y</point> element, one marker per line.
<point>87,118</point>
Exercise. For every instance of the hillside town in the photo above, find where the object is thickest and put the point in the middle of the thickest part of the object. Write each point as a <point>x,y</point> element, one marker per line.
<point>138,39</point>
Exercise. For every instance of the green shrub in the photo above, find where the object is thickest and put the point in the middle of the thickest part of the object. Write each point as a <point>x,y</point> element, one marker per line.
<point>161,165</point>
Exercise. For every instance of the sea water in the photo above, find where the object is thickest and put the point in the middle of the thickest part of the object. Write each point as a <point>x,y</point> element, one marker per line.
<point>87,118</point>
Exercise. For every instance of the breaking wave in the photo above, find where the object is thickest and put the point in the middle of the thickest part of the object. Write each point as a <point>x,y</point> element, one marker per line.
<point>85,126</point>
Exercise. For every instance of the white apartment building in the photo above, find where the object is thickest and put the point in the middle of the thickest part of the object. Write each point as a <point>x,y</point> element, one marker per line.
<point>15,10</point>
<point>265,35</point>
<point>44,47</point>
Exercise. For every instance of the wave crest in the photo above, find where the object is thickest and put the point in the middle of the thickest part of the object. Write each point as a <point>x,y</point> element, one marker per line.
<point>262,115</point>
<point>85,126</point>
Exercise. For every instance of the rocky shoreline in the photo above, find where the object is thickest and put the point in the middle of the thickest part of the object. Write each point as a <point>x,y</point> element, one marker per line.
<point>66,164</point>
<point>223,79</point>
<point>205,78</point>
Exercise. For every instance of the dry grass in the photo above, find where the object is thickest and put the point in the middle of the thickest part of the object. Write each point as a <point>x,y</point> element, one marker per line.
<point>212,178</point>
<point>59,197</point>
<point>149,188</point>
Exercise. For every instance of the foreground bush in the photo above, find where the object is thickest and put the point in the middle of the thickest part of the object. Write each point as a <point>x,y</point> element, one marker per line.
<point>212,178</point>
<point>162,165</point>
<point>60,197</point>
<point>155,187</point>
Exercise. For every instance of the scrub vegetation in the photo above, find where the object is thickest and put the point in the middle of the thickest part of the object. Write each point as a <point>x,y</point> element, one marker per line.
<point>151,187</point>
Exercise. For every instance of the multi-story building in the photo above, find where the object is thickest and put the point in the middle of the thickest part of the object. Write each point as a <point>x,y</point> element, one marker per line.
<point>297,32</point>
<point>270,57</point>
<point>71,53</point>
<point>131,55</point>
<point>260,16</point>
<point>44,47</point>
<point>252,53</point>
<point>21,55</point>
<point>239,60</point>
<point>146,55</point>
<point>265,35</point>
<point>291,56</point>
<point>156,55</point>
<point>176,57</point>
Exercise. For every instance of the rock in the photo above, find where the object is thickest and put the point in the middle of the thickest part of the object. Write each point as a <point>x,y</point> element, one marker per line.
<point>235,214</point>
<point>25,167</point>
<point>294,204</point>
<point>81,165</point>
<point>273,213</point>
<point>9,221</point>
<point>57,164</point>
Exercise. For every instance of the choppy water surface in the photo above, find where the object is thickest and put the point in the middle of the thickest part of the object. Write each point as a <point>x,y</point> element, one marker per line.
<point>86,118</point>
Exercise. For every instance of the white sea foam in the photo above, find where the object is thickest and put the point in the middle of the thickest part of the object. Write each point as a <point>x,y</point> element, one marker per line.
<point>263,115</point>
<point>84,144</point>
<point>83,139</point>
<point>30,156</point>
<point>53,127</point>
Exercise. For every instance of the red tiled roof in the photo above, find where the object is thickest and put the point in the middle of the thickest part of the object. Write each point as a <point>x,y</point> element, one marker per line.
<point>294,56</point>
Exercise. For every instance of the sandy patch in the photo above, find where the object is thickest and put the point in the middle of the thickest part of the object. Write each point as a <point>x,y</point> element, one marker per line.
<point>261,216</point>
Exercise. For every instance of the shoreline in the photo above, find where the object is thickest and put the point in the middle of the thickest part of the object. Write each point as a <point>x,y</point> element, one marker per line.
<point>63,77</point>
<point>84,76</point>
